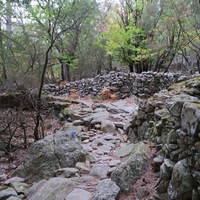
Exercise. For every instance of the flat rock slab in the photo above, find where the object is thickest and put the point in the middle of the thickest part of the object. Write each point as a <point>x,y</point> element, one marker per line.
<point>54,189</point>
<point>14,179</point>
<point>125,151</point>
<point>78,194</point>
<point>114,163</point>
<point>123,106</point>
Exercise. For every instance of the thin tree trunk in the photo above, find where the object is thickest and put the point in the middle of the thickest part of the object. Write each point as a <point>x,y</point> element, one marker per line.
<point>66,76</point>
<point>110,62</point>
<point>38,102</point>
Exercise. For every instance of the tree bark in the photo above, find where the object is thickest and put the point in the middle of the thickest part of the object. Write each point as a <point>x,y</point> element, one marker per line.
<point>66,76</point>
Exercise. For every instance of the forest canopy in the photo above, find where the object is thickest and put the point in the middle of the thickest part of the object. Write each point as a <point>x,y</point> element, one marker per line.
<point>74,39</point>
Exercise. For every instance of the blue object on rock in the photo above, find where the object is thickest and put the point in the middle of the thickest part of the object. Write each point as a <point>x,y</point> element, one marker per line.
<point>73,133</point>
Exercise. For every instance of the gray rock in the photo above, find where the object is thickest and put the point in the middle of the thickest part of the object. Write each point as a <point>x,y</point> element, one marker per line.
<point>99,170</point>
<point>7,192</point>
<point>125,151</point>
<point>96,117</point>
<point>78,194</point>
<point>53,189</point>
<point>176,108</point>
<point>84,169</point>
<point>106,190</point>
<point>127,173</point>
<point>70,127</point>
<point>66,172</point>
<point>190,118</point>
<point>107,126</point>
<point>123,106</point>
<point>49,154</point>
<point>166,169</point>
<point>181,184</point>
<point>20,188</point>
<point>142,192</point>
<point>14,179</point>
<point>105,149</point>
<point>114,163</point>
<point>3,177</point>
<point>101,142</point>
<point>14,198</point>
<point>157,162</point>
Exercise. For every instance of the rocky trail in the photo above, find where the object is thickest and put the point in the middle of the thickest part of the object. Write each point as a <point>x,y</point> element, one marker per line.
<point>93,139</point>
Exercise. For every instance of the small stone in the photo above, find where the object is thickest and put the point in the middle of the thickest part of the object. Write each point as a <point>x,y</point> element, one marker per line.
<point>119,124</point>
<point>105,149</point>
<point>85,137</point>
<point>66,172</point>
<point>82,167</point>
<point>157,162</point>
<point>97,126</point>
<point>109,137</point>
<point>123,138</point>
<point>85,141</point>
<point>114,163</point>
<point>3,177</point>
<point>100,152</point>
<point>142,192</point>
<point>77,122</point>
<point>107,126</point>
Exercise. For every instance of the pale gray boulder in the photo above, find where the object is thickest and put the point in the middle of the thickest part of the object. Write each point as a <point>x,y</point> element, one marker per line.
<point>51,153</point>
<point>106,190</point>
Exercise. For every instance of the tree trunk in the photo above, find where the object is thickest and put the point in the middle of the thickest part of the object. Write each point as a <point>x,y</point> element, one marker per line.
<point>131,67</point>
<point>110,62</point>
<point>66,72</point>
<point>138,68</point>
<point>198,63</point>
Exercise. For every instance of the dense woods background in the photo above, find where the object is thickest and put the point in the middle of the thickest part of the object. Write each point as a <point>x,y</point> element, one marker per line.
<point>44,41</point>
<point>68,40</point>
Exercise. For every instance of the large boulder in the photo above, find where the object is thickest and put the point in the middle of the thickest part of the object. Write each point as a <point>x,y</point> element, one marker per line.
<point>106,189</point>
<point>51,153</point>
<point>127,173</point>
<point>181,184</point>
<point>53,189</point>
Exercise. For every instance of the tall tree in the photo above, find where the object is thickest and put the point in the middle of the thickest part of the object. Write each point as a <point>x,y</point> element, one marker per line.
<point>126,39</point>
<point>61,23</point>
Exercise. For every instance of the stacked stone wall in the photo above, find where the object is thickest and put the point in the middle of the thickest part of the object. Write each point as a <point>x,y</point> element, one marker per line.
<point>171,119</point>
<point>120,83</point>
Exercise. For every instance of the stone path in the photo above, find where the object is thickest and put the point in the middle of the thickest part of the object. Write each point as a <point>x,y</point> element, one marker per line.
<point>99,129</point>
<point>103,142</point>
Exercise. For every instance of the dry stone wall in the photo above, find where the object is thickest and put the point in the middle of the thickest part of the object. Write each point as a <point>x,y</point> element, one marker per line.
<point>120,83</point>
<point>171,119</point>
